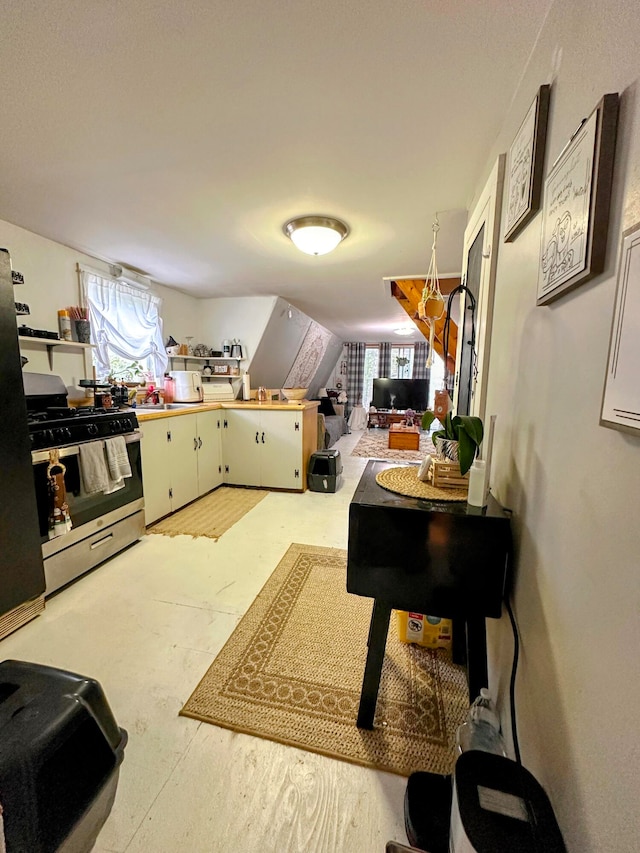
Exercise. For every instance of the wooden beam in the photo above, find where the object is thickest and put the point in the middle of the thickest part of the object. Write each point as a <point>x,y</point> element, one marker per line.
<point>408,292</point>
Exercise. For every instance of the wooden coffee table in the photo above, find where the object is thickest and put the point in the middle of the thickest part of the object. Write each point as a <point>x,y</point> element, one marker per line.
<point>404,438</point>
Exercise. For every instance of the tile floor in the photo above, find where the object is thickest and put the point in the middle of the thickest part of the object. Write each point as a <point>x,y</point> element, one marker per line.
<point>147,624</point>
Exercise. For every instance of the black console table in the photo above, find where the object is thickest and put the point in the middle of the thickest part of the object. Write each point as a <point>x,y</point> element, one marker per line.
<point>445,559</point>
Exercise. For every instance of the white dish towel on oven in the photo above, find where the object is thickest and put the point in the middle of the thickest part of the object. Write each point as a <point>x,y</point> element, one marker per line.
<point>93,466</point>
<point>117,461</point>
<point>99,461</point>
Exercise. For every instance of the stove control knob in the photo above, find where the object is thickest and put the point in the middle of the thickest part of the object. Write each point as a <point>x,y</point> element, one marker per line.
<point>92,429</point>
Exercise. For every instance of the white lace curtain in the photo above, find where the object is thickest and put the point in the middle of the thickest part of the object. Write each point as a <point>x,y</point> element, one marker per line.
<point>124,320</point>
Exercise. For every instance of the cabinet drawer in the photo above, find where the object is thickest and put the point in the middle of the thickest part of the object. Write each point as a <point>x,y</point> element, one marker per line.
<point>65,565</point>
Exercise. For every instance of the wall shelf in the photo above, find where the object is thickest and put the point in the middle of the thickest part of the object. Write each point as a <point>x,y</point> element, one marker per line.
<point>204,358</point>
<point>27,341</point>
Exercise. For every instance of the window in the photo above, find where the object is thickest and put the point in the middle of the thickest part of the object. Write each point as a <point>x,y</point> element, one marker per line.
<point>371,372</point>
<point>401,363</point>
<point>126,329</point>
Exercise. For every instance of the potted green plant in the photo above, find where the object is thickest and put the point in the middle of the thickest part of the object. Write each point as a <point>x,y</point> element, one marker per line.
<point>459,439</point>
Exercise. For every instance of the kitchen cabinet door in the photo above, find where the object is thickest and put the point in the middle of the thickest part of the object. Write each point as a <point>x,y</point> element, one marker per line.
<point>241,447</point>
<point>209,451</point>
<point>156,475</point>
<point>281,450</point>
<point>183,460</point>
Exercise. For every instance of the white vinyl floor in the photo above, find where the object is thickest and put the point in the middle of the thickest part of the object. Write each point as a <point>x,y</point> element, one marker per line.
<point>147,625</point>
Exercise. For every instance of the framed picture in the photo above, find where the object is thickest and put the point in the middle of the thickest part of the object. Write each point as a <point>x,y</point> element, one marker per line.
<point>525,165</point>
<point>621,397</point>
<point>577,193</point>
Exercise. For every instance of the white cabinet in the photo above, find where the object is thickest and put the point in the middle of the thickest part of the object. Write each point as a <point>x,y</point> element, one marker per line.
<point>181,460</point>
<point>156,477</point>
<point>264,448</point>
<point>209,430</point>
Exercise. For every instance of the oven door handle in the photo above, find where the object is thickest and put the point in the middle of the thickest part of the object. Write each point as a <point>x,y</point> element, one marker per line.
<point>74,450</point>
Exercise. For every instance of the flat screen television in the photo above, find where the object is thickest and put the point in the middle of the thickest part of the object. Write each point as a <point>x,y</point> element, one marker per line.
<point>400,394</point>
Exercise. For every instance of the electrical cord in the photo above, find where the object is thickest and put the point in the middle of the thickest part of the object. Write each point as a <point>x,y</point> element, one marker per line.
<point>461,288</point>
<point>512,684</point>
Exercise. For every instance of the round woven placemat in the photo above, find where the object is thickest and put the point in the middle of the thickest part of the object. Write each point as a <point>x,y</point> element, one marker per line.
<point>404,481</point>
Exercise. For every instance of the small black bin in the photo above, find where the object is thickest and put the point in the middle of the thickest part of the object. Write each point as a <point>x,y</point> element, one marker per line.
<point>60,756</point>
<point>325,471</point>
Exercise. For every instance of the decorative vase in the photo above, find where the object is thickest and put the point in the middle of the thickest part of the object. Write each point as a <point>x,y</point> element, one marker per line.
<point>83,331</point>
<point>447,448</point>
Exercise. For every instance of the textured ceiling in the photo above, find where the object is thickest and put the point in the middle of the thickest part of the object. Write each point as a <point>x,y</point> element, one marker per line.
<point>177,137</point>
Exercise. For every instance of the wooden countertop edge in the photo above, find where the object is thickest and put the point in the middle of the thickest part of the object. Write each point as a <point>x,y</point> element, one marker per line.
<point>151,415</point>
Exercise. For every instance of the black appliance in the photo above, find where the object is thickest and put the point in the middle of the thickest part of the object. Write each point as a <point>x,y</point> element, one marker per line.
<point>52,423</point>
<point>22,581</point>
<point>401,394</point>
<point>102,524</point>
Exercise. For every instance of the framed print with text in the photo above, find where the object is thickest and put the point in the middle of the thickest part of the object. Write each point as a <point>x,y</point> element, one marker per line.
<point>525,166</point>
<point>621,398</point>
<point>577,193</point>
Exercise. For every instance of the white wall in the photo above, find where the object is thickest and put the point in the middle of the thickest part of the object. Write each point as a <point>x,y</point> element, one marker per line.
<point>241,317</point>
<point>51,283</point>
<point>572,484</point>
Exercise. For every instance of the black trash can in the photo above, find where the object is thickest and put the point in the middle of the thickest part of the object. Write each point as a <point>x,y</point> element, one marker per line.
<point>325,471</point>
<point>60,756</point>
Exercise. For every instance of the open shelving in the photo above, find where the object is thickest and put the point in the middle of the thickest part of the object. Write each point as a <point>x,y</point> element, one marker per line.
<point>26,341</point>
<point>224,359</point>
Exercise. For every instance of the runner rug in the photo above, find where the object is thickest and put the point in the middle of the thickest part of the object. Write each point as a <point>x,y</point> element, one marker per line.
<point>292,672</point>
<point>375,444</point>
<point>211,515</point>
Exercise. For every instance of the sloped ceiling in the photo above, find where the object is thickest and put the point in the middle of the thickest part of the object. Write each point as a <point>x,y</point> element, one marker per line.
<point>177,138</point>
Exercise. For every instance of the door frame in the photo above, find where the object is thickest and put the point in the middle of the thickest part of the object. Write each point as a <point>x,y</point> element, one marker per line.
<point>485,213</point>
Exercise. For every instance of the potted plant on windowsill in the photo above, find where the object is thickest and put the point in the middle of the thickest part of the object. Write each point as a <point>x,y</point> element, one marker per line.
<point>459,439</point>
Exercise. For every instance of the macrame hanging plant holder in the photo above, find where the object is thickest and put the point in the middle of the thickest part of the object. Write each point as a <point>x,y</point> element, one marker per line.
<point>431,306</point>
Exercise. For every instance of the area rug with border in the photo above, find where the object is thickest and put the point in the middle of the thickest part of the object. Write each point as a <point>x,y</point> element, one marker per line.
<point>292,672</point>
<point>374,444</point>
<point>211,515</point>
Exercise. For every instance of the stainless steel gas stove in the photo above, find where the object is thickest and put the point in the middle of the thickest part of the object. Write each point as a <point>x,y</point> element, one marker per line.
<point>102,523</point>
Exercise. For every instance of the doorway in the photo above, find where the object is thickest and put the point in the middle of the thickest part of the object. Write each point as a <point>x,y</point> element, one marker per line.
<point>481,240</point>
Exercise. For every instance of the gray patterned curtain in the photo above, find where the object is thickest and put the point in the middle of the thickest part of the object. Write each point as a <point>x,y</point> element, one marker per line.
<point>384,364</point>
<point>420,353</point>
<point>355,374</point>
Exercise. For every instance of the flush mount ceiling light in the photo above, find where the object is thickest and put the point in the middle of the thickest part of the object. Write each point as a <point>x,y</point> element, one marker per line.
<point>404,330</point>
<point>315,235</point>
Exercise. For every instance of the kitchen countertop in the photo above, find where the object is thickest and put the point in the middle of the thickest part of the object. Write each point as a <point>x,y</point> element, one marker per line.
<point>144,414</point>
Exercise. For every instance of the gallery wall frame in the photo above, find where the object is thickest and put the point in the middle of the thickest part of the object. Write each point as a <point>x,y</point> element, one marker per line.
<point>525,165</point>
<point>577,196</point>
<point>621,395</point>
